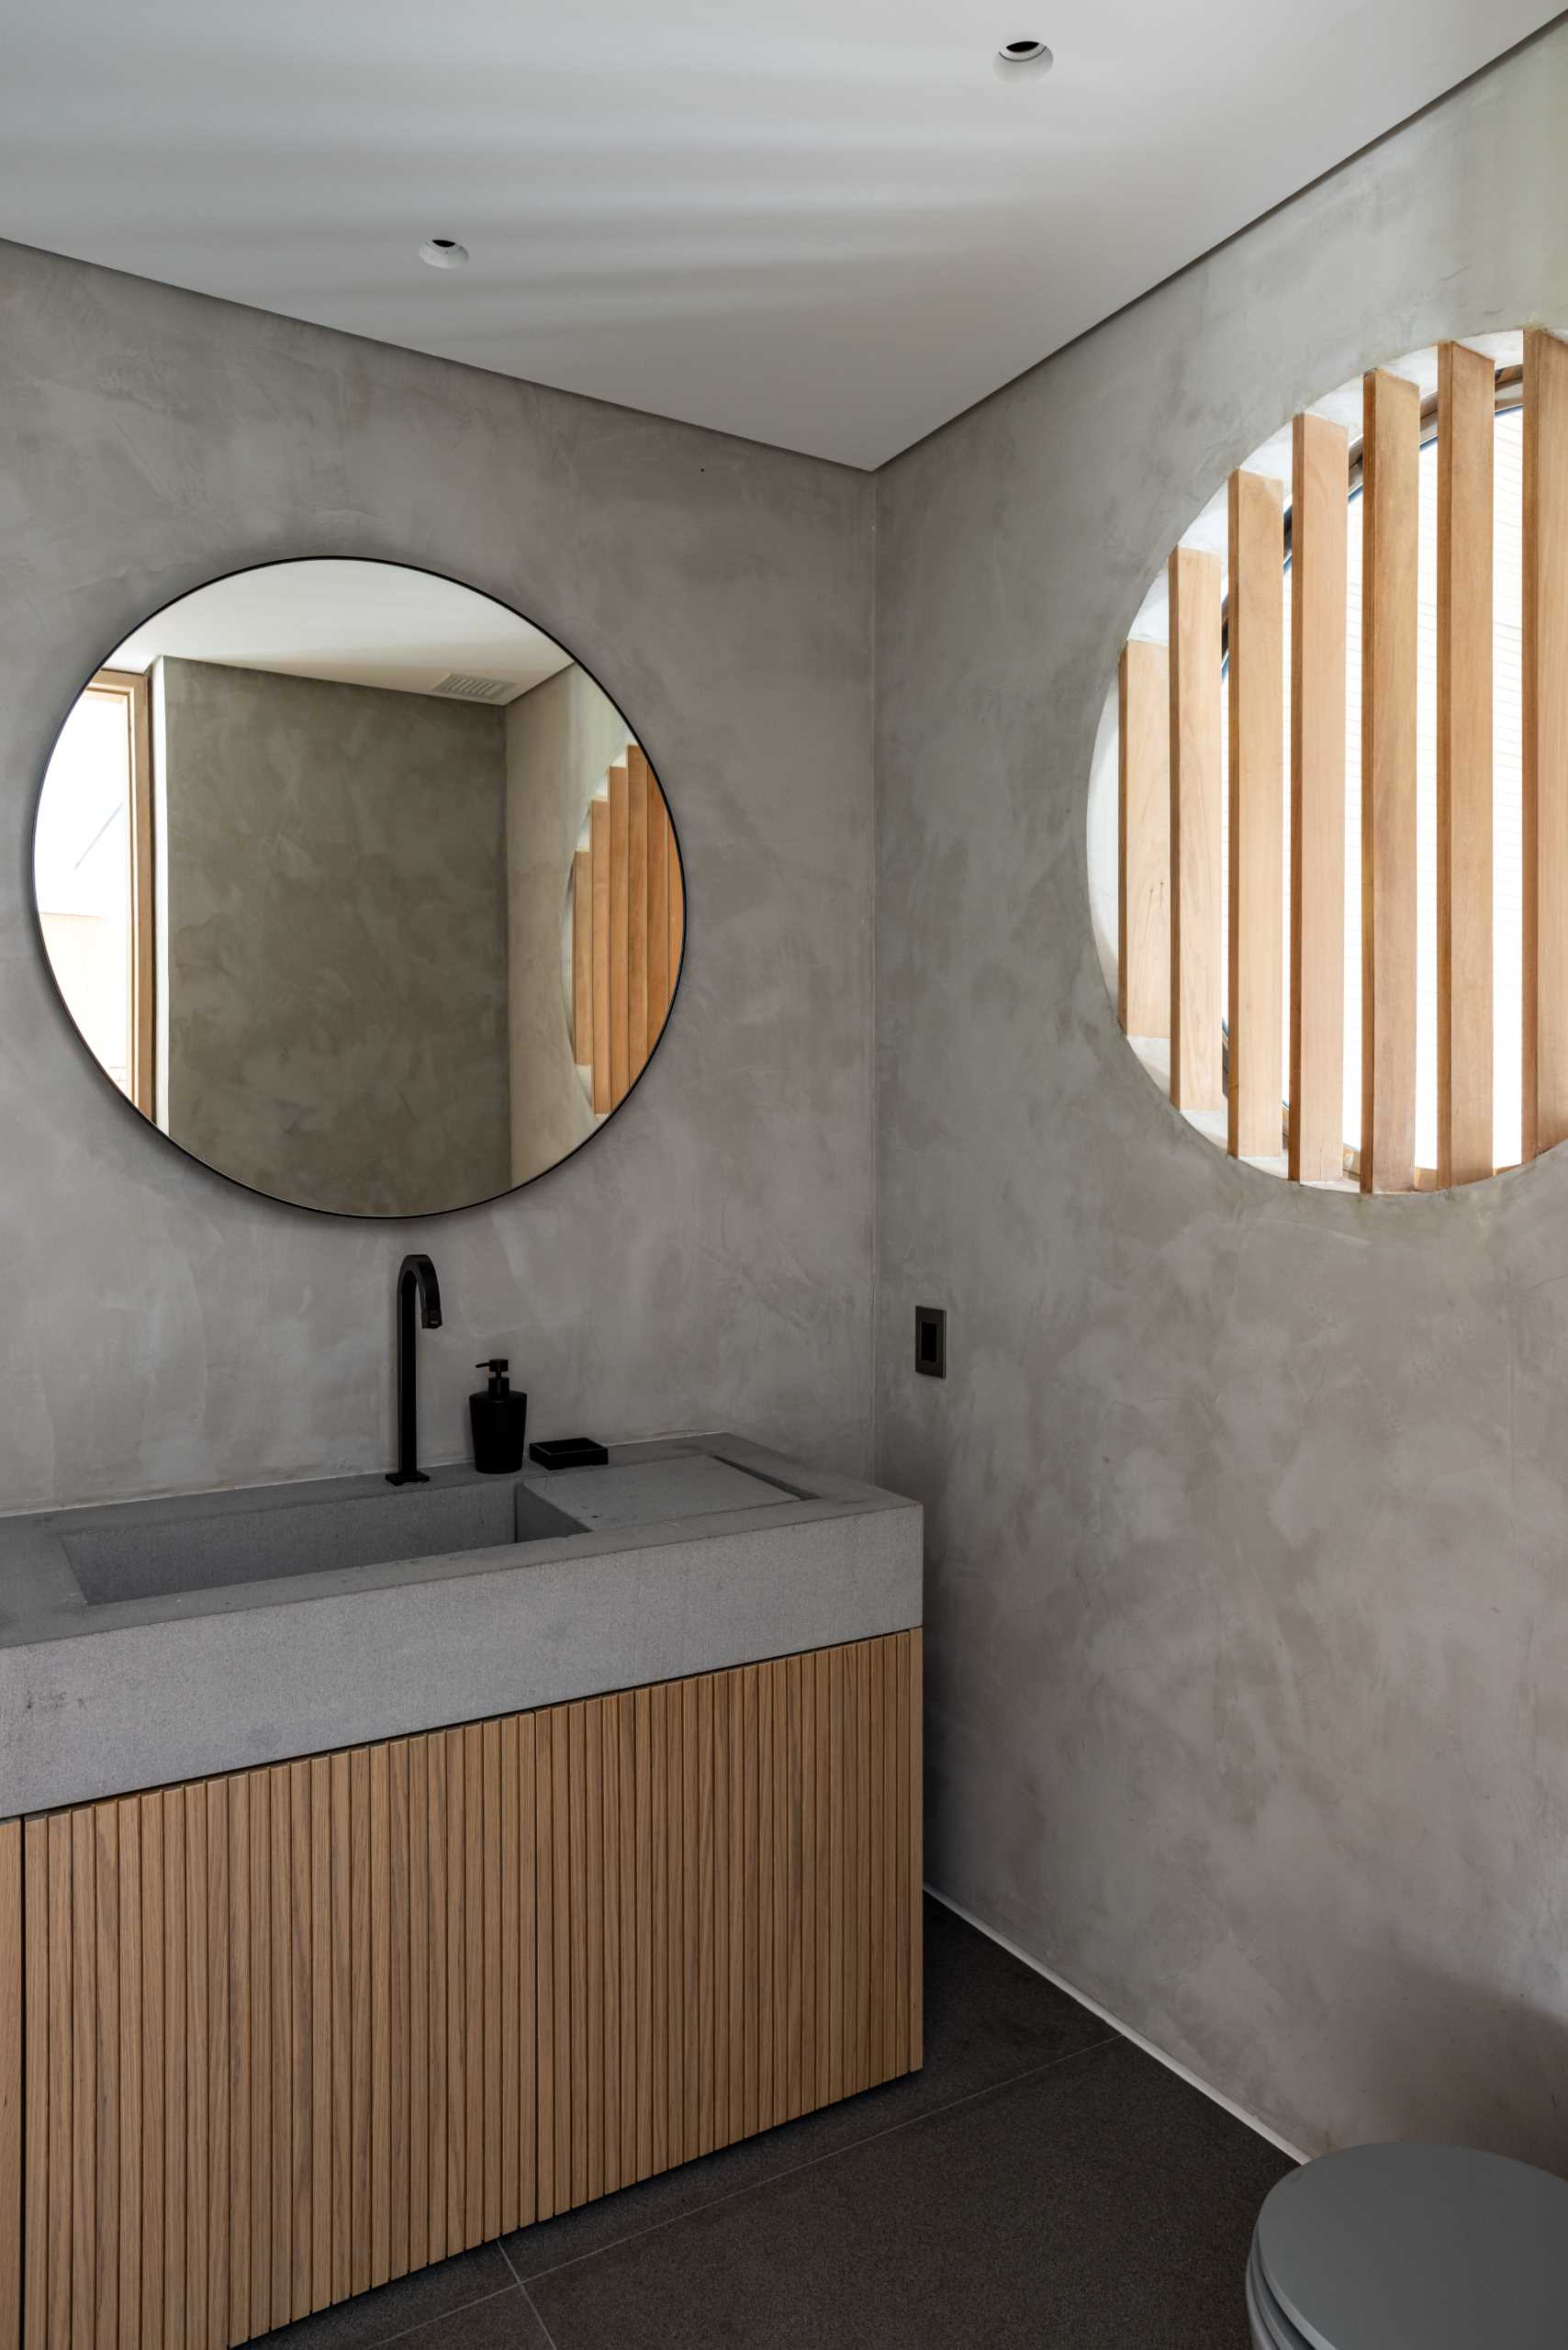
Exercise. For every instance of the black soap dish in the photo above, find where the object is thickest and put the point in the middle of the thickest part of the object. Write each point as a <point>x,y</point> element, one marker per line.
<point>569,1452</point>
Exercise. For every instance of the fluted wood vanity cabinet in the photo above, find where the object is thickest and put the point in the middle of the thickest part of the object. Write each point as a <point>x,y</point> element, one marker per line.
<point>272,2038</point>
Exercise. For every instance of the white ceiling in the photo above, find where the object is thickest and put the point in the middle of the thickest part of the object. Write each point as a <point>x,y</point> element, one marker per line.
<point>831,224</point>
<point>361,623</point>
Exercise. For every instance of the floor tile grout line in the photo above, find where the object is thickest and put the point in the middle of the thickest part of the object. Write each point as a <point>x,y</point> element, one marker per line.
<point>813,2162</point>
<point>385,2341</point>
<point>538,2318</point>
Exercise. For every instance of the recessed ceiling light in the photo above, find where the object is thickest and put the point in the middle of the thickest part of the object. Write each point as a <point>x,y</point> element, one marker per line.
<point>444,253</point>
<point>1019,56</point>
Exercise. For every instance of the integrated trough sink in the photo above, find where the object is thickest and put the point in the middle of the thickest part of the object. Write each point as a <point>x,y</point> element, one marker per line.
<point>154,1556</point>
<point>153,1550</point>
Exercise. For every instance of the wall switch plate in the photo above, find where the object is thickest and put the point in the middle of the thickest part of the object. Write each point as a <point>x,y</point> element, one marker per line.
<point>931,1340</point>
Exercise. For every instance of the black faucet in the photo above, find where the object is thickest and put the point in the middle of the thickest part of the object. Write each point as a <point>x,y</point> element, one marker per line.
<point>413,1273</point>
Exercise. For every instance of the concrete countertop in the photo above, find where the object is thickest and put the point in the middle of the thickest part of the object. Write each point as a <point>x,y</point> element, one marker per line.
<point>678,1570</point>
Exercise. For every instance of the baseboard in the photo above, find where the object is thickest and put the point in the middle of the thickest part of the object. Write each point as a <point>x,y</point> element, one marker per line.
<point>1171,2064</point>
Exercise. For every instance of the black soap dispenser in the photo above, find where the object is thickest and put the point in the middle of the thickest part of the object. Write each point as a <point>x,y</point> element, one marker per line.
<point>500,1421</point>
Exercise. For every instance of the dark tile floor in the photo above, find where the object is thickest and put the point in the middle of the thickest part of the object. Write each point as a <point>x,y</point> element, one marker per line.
<point>1042,2182</point>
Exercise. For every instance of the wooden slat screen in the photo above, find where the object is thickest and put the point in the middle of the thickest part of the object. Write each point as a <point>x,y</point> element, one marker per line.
<point>1143,898</point>
<point>295,2030</point>
<point>1545,742</point>
<point>1196,1080</point>
<point>1390,510</point>
<point>626,892</point>
<point>1466,414</point>
<point>1256,913</point>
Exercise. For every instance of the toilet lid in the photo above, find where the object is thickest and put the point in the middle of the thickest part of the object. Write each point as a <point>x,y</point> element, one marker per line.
<point>1382,2247</point>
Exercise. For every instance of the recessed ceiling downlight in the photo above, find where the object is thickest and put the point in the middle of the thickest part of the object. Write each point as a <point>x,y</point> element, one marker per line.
<point>444,253</point>
<point>1022,57</point>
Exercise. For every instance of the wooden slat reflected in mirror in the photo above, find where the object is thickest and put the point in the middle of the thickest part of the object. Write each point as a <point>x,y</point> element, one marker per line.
<point>627,917</point>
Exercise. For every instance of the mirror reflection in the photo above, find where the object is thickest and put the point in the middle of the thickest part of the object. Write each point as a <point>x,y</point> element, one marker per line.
<point>359,887</point>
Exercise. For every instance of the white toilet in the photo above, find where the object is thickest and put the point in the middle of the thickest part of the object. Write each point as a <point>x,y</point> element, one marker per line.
<point>1410,2248</point>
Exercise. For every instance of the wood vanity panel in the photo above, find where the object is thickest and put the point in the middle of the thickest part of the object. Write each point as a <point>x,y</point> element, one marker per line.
<point>269,2039</point>
<point>12,2091</point>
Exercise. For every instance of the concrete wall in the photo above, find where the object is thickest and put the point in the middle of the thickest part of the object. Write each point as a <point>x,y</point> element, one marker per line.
<point>332,938</point>
<point>709,1257</point>
<point>560,739</point>
<point>1248,1505</point>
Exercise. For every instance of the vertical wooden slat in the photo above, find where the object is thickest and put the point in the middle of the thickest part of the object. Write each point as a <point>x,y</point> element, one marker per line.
<point>1319,528</point>
<point>421,1935</point>
<point>234,1990</point>
<point>400,2003</point>
<point>106,1830</point>
<point>438,2033</point>
<point>1390,509</point>
<point>637,911</point>
<point>587,1950</point>
<point>128,2157</point>
<point>343,2032</point>
<point>582,958</point>
<point>838,2049</point>
<point>643,2010</point>
<point>261,2082</point>
<point>377,1995</point>
<point>901,1770</point>
<point>400,2119</point>
<point>619,931</point>
<point>183,2074</point>
<point>152,2025</point>
<point>766,1837</point>
<point>1257,687</point>
<point>659,1925</point>
<point>915,1845</point>
<point>1466,431</point>
<point>221,2250</point>
<point>795,1953</point>
<point>458,1925</point>
<point>893,2063</point>
<point>566,2079</point>
<point>529,1944</point>
<point>677,886</point>
<point>509,2210</point>
<point>361,2020</point>
<point>735,1867</point>
<point>1195,910</point>
<point>62,2078</point>
<point>12,2092</point>
<point>30,2252</point>
<point>298,1951</point>
<point>658,911</point>
<point>626,1876</point>
<point>782,1801</point>
<point>544,1963</point>
<point>1544,722</point>
<point>581,1994</point>
<point>1143,854</point>
<point>610,1774</point>
<point>598,864</point>
<point>321,2033</point>
<point>723,1684</point>
<point>200,2191</point>
<point>750,1972</point>
<point>877,1842</point>
<point>280,1893</point>
<point>822,1844</point>
<point>685,1794</point>
<point>489,2052</point>
<point>810,1864</point>
<point>475,1958</point>
<point>84,2084</point>
<point>474,1875</point>
<point>701,2138</point>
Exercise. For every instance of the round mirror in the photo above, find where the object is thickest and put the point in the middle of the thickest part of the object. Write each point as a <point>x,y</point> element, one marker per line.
<point>359,887</point>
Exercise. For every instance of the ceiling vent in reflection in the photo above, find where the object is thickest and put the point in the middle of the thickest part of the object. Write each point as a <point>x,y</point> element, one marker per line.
<point>459,687</point>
